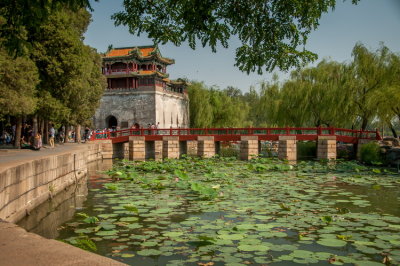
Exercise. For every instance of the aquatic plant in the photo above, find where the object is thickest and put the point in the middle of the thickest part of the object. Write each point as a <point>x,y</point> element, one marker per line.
<point>265,211</point>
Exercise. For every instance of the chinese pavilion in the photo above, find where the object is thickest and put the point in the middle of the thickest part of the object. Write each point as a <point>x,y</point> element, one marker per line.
<point>139,90</point>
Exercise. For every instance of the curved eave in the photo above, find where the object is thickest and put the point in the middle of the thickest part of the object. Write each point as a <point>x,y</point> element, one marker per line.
<point>164,60</point>
<point>138,74</point>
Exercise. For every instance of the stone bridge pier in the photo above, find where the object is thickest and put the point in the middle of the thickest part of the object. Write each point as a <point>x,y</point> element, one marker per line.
<point>205,146</point>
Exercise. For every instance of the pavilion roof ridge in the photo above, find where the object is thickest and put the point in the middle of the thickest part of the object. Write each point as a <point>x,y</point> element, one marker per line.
<point>141,52</point>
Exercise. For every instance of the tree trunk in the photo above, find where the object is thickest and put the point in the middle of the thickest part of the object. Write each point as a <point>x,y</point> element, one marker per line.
<point>35,126</point>
<point>78,134</point>
<point>393,130</point>
<point>364,124</point>
<point>18,128</point>
<point>41,127</point>
<point>46,132</point>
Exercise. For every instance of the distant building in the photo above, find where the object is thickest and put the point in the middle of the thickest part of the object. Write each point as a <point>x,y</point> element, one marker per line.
<point>139,90</point>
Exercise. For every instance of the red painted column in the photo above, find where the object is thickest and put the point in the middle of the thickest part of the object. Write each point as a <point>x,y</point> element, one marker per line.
<point>127,84</point>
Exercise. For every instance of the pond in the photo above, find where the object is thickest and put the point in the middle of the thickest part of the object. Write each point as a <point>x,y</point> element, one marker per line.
<point>222,211</point>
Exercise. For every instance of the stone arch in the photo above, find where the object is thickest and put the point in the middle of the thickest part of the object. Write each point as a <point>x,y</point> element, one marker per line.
<point>111,121</point>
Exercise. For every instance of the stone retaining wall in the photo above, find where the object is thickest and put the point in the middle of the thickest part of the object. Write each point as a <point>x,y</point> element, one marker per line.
<point>25,186</point>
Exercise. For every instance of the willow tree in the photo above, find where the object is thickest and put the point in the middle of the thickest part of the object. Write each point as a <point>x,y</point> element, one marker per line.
<point>252,98</point>
<point>324,94</point>
<point>371,73</point>
<point>200,109</point>
<point>273,33</point>
<point>291,111</point>
<point>266,110</point>
<point>389,107</point>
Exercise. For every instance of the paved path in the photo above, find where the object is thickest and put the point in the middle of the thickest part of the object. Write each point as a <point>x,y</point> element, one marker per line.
<point>10,157</point>
<point>18,247</point>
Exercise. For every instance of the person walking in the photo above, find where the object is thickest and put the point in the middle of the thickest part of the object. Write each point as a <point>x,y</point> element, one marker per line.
<point>52,133</point>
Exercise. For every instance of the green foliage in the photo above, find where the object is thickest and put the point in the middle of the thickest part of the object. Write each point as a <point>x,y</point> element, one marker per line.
<point>71,81</point>
<point>332,94</point>
<point>111,186</point>
<point>131,208</point>
<point>327,219</point>
<point>83,242</point>
<point>273,33</point>
<point>18,81</point>
<point>17,18</point>
<point>210,107</point>
<point>204,190</point>
<point>229,152</point>
<point>372,73</point>
<point>91,220</point>
<point>370,153</point>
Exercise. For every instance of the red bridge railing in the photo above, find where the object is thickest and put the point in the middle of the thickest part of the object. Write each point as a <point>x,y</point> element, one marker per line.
<point>301,133</point>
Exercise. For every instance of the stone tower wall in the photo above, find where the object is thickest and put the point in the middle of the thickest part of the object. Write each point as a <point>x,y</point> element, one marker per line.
<point>127,107</point>
<point>143,107</point>
<point>172,110</point>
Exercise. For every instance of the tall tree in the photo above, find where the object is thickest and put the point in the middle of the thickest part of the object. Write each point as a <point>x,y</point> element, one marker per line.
<point>200,109</point>
<point>389,107</point>
<point>17,18</point>
<point>18,80</point>
<point>324,93</point>
<point>273,33</point>
<point>70,71</point>
<point>371,73</point>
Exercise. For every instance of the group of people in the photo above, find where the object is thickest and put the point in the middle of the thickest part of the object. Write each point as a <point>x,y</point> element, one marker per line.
<point>34,140</point>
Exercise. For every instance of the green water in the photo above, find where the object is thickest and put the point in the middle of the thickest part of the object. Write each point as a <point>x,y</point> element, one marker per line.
<point>228,212</point>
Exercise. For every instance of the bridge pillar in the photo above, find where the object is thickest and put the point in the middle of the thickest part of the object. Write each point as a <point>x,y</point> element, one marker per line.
<point>326,148</point>
<point>191,147</point>
<point>137,150</point>
<point>205,146</point>
<point>287,149</point>
<point>158,150</point>
<point>249,148</point>
<point>171,147</point>
<point>126,150</point>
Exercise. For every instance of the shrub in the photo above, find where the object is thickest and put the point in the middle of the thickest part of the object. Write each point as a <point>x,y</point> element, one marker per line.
<point>370,153</point>
<point>229,152</point>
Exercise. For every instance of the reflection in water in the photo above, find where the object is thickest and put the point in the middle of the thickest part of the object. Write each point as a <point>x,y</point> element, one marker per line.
<point>46,218</point>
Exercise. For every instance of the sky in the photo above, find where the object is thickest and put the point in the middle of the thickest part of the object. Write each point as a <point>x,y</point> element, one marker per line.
<point>370,22</point>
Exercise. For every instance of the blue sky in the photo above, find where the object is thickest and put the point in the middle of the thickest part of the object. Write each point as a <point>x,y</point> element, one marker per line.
<point>369,22</point>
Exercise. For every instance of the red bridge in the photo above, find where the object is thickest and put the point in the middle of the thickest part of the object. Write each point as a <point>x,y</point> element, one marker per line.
<point>157,144</point>
<point>235,134</point>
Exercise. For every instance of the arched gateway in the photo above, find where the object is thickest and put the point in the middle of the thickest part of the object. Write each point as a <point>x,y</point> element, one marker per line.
<point>111,121</point>
<point>139,90</point>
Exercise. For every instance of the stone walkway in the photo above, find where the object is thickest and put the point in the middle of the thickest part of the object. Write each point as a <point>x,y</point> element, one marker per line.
<point>10,157</point>
<point>18,247</point>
